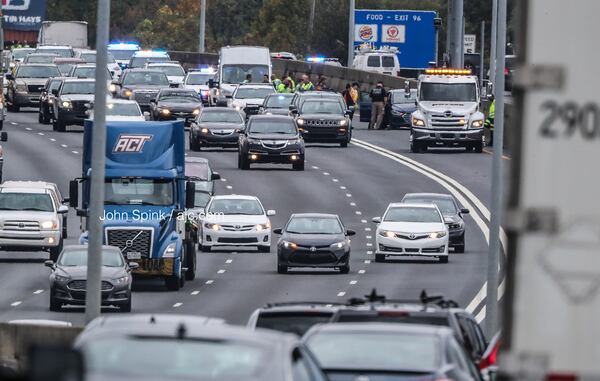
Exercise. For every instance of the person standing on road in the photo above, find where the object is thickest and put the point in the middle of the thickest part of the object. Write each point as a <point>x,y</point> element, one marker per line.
<point>355,92</point>
<point>306,84</point>
<point>275,81</point>
<point>489,122</point>
<point>350,103</point>
<point>285,87</point>
<point>378,96</point>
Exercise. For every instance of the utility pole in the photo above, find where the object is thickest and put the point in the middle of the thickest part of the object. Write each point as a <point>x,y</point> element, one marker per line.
<point>457,52</point>
<point>202,25</point>
<point>351,33</point>
<point>492,77</point>
<point>449,31</point>
<point>437,23</point>
<point>1,45</point>
<point>497,178</point>
<point>481,51</point>
<point>311,26</point>
<point>95,225</point>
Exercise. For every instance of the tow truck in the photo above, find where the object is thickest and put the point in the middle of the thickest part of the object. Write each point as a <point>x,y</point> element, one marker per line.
<point>448,113</point>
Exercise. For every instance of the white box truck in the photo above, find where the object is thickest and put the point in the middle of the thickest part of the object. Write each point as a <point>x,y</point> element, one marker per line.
<point>552,300</point>
<point>72,33</point>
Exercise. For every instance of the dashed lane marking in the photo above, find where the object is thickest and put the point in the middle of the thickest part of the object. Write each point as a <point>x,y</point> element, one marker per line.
<point>342,187</point>
<point>363,221</point>
<point>335,180</point>
<point>367,261</point>
<point>362,271</point>
<point>369,244</point>
<point>75,152</point>
<point>353,282</point>
<point>368,236</point>
<point>15,123</point>
<point>348,194</point>
<point>52,139</point>
<point>223,179</point>
<point>196,292</point>
<point>326,173</point>
<point>369,252</point>
<point>229,261</point>
<point>358,213</point>
<point>352,204</point>
<point>41,133</point>
<point>36,292</point>
<point>177,305</point>
<point>342,293</point>
<point>64,145</point>
<point>228,187</point>
<point>14,304</point>
<point>28,128</point>
<point>367,229</point>
<point>315,167</point>
<point>221,271</point>
<point>210,281</point>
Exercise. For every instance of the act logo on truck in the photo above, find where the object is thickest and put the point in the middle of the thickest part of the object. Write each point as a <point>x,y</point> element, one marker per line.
<point>15,5</point>
<point>131,142</point>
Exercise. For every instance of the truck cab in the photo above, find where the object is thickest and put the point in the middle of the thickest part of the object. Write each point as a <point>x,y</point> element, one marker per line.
<point>146,196</point>
<point>447,113</point>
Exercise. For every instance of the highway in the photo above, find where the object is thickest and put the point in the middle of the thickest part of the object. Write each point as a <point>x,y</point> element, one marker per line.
<point>357,183</point>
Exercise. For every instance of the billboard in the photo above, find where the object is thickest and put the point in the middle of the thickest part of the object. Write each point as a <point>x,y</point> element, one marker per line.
<point>23,14</point>
<point>412,32</point>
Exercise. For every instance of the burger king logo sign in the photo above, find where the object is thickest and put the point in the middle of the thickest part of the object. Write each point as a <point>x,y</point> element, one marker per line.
<point>366,33</point>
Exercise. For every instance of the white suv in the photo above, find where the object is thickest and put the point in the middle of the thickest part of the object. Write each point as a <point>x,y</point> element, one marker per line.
<point>32,217</point>
<point>236,221</point>
<point>412,230</point>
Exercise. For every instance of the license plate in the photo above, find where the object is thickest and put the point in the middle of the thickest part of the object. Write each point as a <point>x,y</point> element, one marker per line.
<point>134,255</point>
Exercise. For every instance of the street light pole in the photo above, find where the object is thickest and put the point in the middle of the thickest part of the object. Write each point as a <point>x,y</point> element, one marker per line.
<point>351,33</point>
<point>457,35</point>
<point>311,26</point>
<point>481,51</point>
<point>202,25</point>
<point>497,178</point>
<point>95,226</point>
<point>492,77</point>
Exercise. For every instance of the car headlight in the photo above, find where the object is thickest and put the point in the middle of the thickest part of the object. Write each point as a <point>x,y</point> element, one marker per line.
<point>165,111</point>
<point>22,87</point>
<point>437,234</point>
<point>289,245</point>
<point>238,107</point>
<point>261,227</point>
<point>49,225</point>
<point>418,122</point>
<point>50,101</point>
<point>477,123</point>
<point>387,233</point>
<point>170,250</point>
<point>212,226</point>
<point>343,122</point>
<point>66,104</point>
<point>300,122</point>
<point>127,93</point>
<point>338,245</point>
<point>61,279</point>
<point>196,111</point>
<point>112,88</point>
<point>204,130</point>
<point>122,280</point>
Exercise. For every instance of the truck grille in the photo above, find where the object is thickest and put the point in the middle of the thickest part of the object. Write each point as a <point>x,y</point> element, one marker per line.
<point>35,88</point>
<point>274,144</point>
<point>80,285</point>
<point>29,226</point>
<point>124,240</point>
<point>450,122</point>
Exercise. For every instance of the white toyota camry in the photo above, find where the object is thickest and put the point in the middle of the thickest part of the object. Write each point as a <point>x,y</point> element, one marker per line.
<point>415,230</point>
<point>235,220</point>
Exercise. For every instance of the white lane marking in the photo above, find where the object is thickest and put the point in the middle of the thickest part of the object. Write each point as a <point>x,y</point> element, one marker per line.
<point>348,194</point>
<point>177,305</point>
<point>358,213</point>
<point>52,139</point>
<point>352,204</point>
<point>369,252</point>
<point>196,292</point>
<point>481,315</point>
<point>367,229</point>
<point>229,261</point>
<point>353,282</point>
<point>14,304</point>
<point>37,292</point>
<point>341,293</point>
<point>210,281</point>
<point>326,173</point>
<point>335,180</point>
<point>228,187</point>
<point>223,179</point>
<point>315,167</point>
<point>367,261</point>
<point>363,221</point>
<point>455,188</point>
<point>15,123</point>
<point>75,152</point>
<point>362,271</point>
<point>221,271</point>
<point>369,244</point>
<point>28,128</point>
<point>342,187</point>
<point>41,133</point>
<point>368,236</point>
<point>64,145</point>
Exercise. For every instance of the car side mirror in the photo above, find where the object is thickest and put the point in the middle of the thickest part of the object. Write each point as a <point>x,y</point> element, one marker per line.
<point>49,263</point>
<point>73,193</point>
<point>350,232</point>
<point>294,111</point>
<point>190,194</point>
<point>376,220</point>
<point>146,115</point>
<point>464,211</point>
<point>348,112</point>
<point>55,92</point>
<point>215,176</point>
<point>133,265</point>
<point>278,231</point>
<point>3,136</point>
<point>271,212</point>
<point>65,200</point>
<point>63,209</point>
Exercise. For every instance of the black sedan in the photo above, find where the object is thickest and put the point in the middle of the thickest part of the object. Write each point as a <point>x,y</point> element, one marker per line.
<point>216,127</point>
<point>390,352</point>
<point>453,215</point>
<point>271,139</point>
<point>313,240</point>
<point>171,104</point>
<point>277,104</point>
<point>399,107</point>
<point>69,274</point>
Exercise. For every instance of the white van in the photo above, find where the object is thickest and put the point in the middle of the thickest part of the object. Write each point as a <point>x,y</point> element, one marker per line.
<point>382,61</point>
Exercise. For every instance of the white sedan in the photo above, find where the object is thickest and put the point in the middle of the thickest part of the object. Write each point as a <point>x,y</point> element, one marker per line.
<point>122,110</point>
<point>235,220</point>
<point>414,230</point>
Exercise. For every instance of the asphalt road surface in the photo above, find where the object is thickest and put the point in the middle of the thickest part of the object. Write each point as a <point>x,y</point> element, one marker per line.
<point>356,182</point>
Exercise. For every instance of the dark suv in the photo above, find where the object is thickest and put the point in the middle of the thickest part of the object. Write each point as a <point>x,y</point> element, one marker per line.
<point>72,101</point>
<point>324,121</point>
<point>271,139</point>
<point>141,85</point>
<point>47,99</point>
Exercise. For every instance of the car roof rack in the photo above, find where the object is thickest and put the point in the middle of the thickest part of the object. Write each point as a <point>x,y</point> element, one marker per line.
<point>293,303</point>
<point>424,299</point>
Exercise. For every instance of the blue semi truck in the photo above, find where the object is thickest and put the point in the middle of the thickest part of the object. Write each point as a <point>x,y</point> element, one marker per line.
<point>146,195</point>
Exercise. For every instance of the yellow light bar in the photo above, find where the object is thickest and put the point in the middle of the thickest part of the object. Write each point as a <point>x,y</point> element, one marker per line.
<point>448,71</point>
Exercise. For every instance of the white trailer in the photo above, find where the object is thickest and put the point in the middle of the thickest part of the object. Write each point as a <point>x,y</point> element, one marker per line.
<point>72,33</point>
<point>552,302</point>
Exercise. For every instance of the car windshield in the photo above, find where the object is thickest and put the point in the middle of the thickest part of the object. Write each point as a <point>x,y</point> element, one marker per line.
<point>39,202</point>
<point>314,225</point>
<point>234,206</point>
<point>253,92</point>
<point>55,85</point>
<point>122,54</point>
<point>37,71</point>
<point>238,73</point>
<point>179,96</point>
<point>63,52</point>
<point>399,97</point>
<point>199,170</point>
<point>133,191</point>
<point>445,205</point>
<point>141,61</point>
<point>79,257</point>
<point>278,101</point>
<point>292,322</point>
<point>321,107</point>
<point>21,53</point>
<point>40,59</point>
<point>448,92</point>
<point>388,61</point>
<point>169,358</point>
<point>65,68</point>
<point>201,199</point>
<point>198,79</point>
<point>221,117</point>
<point>123,109</point>
<point>279,126</point>
<point>171,71</point>
<point>87,72</point>
<point>151,78</point>
<point>412,214</point>
<point>376,351</point>
<point>78,88</point>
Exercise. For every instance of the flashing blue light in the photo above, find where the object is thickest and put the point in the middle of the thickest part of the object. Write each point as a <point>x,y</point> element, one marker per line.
<point>315,59</point>
<point>124,46</point>
<point>280,97</point>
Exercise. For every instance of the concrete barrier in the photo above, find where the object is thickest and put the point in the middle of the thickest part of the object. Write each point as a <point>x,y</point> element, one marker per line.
<point>17,339</point>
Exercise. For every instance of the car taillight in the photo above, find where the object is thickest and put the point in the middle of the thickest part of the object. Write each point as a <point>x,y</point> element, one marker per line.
<point>505,71</point>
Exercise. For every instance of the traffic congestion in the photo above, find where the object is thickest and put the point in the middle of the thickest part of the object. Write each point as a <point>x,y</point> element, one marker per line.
<point>250,214</point>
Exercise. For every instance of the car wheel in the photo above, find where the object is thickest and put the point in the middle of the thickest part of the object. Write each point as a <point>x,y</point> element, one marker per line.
<point>190,256</point>
<point>281,269</point>
<point>478,147</point>
<point>444,259</point>
<point>459,248</point>
<point>345,269</point>
<point>127,306</point>
<point>379,257</point>
<point>415,147</point>
<point>205,249</point>
<point>298,166</point>
<point>55,305</point>
<point>55,251</point>
<point>264,249</point>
